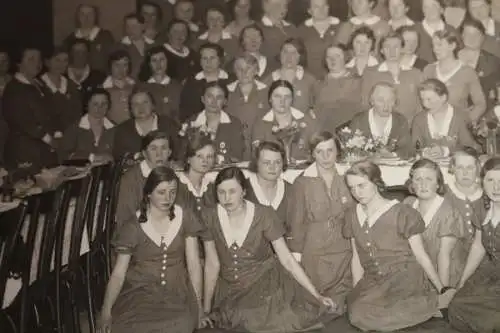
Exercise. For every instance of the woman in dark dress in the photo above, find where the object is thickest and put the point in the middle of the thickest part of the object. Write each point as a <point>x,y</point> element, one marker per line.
<point>31,138</point>
<point>156,284</point>
<point>144,120</point>
<point>254,292</point>
<point>183,62</point>
<point>155,151</point>
<point>87,27</point>
<point>395,284</point>
<point>315,215</point>
<point>64,98</point>
<point>79,71</point>
<point>475,305</point>
<point>154,79</point>
<point>409,58</point>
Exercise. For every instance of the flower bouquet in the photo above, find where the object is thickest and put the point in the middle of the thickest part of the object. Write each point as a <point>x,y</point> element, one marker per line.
<point>355,146</point>
<point>486,131</point>
<point>288,136</point>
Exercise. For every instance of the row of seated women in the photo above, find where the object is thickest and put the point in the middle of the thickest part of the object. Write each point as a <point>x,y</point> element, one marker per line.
<point>286,258</point>
<point>470,74</point>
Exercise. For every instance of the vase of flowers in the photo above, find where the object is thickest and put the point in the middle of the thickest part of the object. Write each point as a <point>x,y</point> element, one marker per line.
<point>287,136</point>
<point>486,131</point>
<point>355,146</point>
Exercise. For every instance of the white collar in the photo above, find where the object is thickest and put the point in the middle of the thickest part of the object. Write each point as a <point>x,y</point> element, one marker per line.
<point>232,86</point>
<point>172,2</point>
<point>262,63</point>
<point>437,131</point>
<point>260,195</point>
<point>446,78</point>
<point>201,119</point>
<point>376,133</point>
<point>236,236</point>
<point>127,41</point>
<point>21,78</point>
<point>372,61</point>
<point>92,35</point>
<point>362,217</point>
<point>110,83</point>
<point>269,23</point>
<point>221,76</point>
<point>384,68</point>
<point>63,89</point>
<point>168,237</point>
<point>462,196</point>
<point>430,30</point>
<point>332,20</point>
<point>204,184</point>
<point>296,114</point>
<point>145,168</point>
<point>433,209</point>
<point>193,27</point>
<point>299,73</point>
<point>312,171</point>
<point>164,82</point>
<point>409,65</point>
<point>184,53</point>
<point>489,218</point>
<point>490,28</point>
<point>85,123</point>
<point>153,128</point>
<point>407,23</point>
<point>225,35</point>
<point>369,21</point>
<point>72,77</point>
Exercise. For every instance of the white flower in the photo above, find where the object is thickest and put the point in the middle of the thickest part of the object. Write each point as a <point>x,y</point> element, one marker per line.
<point>346,130</point>
<point>220,159</point>
<point>222,145</point>
<point>343,200</point>
<point>357,141</point>
<point>275,129</point>
<point>369,146</point>
<point>303,125</point>
<point>358,132</point>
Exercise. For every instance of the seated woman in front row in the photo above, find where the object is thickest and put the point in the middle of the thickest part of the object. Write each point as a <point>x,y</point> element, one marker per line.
<point>254,292</point>
<point>156,283</point>
<point>440,129</point>
<point>395,282</point>
<point>475,307</point>
<point>383,124</point>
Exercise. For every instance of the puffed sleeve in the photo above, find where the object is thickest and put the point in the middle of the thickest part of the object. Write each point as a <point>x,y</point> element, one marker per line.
<point>410,222</point>
<point>273,227</point>
<point>126,237</point>
<point>451,224</point>
<point>192,224</point>
<point>347,231</point>
<point>296,217</point>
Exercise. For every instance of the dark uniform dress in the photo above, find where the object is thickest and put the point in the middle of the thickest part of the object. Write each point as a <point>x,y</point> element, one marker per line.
<point>130,192</point>
<point>196,201</point>
<point>275,36</point>
<point>157,295</point>
<point>26,111</point>
<point>181,64</point>
<point>316,217</point>
<point>90,79</point>
<point>166,95</point>
<point>394,291</point>
<point>119,109</point>
<point>254,292</point>
<point>475,307</point>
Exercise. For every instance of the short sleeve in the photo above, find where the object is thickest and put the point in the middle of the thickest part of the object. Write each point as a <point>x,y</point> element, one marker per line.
<point>126,237</point>
<point>451,224</point>
<point>410,222</point>
<point>192,225</point>
<point>274,228</point>
<point>347,231</point>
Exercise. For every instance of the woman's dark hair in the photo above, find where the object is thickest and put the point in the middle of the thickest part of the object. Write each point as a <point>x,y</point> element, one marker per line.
<point>248,27</point>
<point>97,13</point>
<point>369,170</point>
<point>195,143</point>
<point>408,28</point>
<point>271,146</point>
<point>174,22</point>
<point>78,41</point>
<point>299,46</point>
<point>134,16</point>
<point>157,176</point>
<point>323,136</point>
<point>428,164</point>
<point>93,92</point>
<point>366,31</point>
<point>118,55</point>
<point>216,84</point>
<point>451,36</point>
<point>140,90</point>
<point>434,85</point>
<point>55,51</point>
<point>212,46</point>
<point>152,136</point>
<point>145,73</point>
<point>159,13</point>
<point>277,84</point>
<point>465,151</point>
<point>470,22</point>
<point>230,173</point>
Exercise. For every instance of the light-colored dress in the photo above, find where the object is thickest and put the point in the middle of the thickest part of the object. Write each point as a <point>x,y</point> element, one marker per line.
<point>157,295</point>
<point>394,291</point>
<point>254,292</point>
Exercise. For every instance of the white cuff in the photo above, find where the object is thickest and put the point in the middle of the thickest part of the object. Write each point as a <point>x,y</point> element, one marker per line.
<point>297,256</point>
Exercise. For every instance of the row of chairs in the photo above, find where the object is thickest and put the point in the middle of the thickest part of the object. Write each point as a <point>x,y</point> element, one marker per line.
<point>58,282</point>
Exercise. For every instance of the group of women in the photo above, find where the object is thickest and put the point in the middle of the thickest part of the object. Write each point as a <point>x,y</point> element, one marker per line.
<point>413,76</point>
